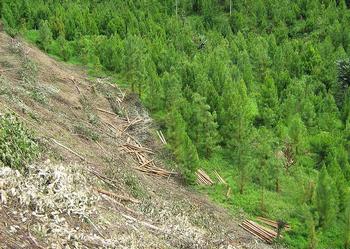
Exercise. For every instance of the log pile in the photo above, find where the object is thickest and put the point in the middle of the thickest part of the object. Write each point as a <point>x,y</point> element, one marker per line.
<point>272,223</point>
<point>139,153</point>
<point>131,123</point>
<point>203,178</point>
<point>146,165</point>
<point>265,234</point>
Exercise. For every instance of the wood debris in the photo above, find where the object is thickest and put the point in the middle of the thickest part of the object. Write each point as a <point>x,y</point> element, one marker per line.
<point>272,223</point>
<point>266,234</point>
<point>220,179</point>
<point>146,164</point>
<point>70,150</point>
<point>161,137</point>
<point>75,84</point>
<point>203,178</point>
<point>108,112</point>
<point>120,197</point>
<point>263,233</point>
<point>132,123</point>
<point>228,193</point>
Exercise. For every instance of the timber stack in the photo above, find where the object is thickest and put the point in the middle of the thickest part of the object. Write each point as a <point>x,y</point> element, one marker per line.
<point>203,178</point>
<point>264,233</point>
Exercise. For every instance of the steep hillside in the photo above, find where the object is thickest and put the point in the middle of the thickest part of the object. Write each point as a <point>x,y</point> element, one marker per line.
<point>256,91</point>
<point>85,191</point>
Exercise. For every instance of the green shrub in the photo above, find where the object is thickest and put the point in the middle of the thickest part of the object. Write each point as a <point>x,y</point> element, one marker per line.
<point>17,145</point>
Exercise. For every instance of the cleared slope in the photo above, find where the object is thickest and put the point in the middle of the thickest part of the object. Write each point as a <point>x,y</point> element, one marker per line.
<point>60,102</point>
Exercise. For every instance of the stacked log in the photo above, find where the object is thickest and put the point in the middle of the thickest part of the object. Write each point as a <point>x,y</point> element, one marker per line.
<point>146,165</point>
<point>265,234</point>
<point>203,178</point>
<point>272,223</point>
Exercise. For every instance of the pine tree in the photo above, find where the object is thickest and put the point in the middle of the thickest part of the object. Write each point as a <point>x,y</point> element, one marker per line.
<point>172,91</point>
<point>346,228</point>
<point>203,126</point>
<point>182,146</point>
<point>325,199</point>
<point>343,81</point>
<point>8,16</point>
<point>268,103</point>
<point>65,51</point>
<point>297,133</point>
<point>154,98</point>
<point>312,236</point>
<point>45,35</point>
<point>329,116</point>
<point>134,63</point>
<point>237,128</point>
<point>264,154</point>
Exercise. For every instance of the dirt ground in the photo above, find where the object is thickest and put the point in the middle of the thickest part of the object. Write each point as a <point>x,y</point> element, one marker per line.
<point>86,122</point>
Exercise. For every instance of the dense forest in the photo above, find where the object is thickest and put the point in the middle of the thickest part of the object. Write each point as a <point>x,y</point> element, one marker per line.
<point>257,90</point>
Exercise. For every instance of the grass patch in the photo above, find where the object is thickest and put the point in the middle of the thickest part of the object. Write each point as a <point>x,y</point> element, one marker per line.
<point>86,132</point>
<point>89,111</point>
<point>134,186</point>
<point>18,146</point>
<point>31,35</point>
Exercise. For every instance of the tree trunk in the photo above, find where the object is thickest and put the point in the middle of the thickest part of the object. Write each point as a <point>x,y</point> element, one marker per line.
<point>262,201</point>
<point>176,7</point>
<point>241,186</point>
<point>277,185</point>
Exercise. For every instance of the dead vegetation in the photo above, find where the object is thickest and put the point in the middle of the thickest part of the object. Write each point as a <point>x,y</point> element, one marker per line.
<point>106,185</point>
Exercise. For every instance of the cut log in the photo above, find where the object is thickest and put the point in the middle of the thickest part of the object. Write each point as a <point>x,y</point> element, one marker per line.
<point>253,232</point>
<point>148,162</point>
<point>203,177</point>
<point>265,229</point>
<point>258,232</point>
<point>70,150</point>
<point>220,179</point>
<point>160,137</point>
<point>272,223</point>
<point>228,193</point>
<point>161,134</point>
<point>120,197</point>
